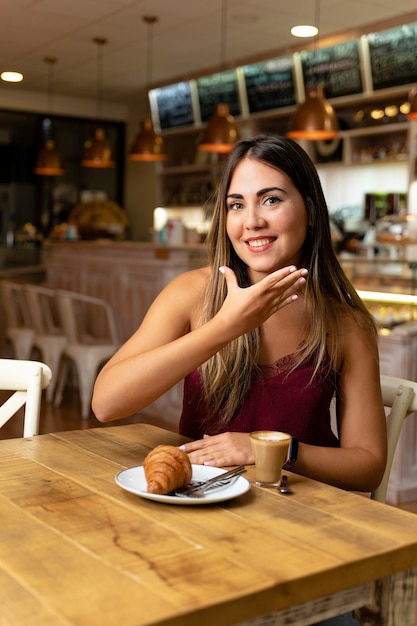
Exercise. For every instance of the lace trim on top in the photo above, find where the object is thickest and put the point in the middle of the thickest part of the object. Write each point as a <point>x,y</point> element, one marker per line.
<point>280,366</point>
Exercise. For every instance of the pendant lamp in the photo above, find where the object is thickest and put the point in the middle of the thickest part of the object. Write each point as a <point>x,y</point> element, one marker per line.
<point>412,114</point>
<point>48,162</point>
<point>315,118</point>
<point>97,151</point>
<point>147,145</point>
<point>221,132</point>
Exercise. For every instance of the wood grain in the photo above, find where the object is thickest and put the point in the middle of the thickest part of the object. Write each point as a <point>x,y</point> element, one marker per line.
<point>78,550</point>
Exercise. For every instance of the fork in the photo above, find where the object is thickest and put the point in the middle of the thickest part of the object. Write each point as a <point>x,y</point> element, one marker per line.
<point>197,490</point>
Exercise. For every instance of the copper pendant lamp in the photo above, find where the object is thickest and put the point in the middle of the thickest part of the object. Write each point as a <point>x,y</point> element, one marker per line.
<point>221,133</point>
<point>147,145</point>
<point>97,151</point>
<point>48,162</point>
<point>315,118</point>
<point>412,114</point>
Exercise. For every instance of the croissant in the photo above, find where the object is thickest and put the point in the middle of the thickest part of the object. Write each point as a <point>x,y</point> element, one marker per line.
<point>166,468</point>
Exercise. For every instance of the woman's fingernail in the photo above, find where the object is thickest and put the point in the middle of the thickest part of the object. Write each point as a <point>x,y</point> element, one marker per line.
<point>182,447</point>
<point>222,269</point>
<point>207,462</point>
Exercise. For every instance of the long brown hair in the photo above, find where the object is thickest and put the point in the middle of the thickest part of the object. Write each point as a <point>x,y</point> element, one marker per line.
<point>228,375</point>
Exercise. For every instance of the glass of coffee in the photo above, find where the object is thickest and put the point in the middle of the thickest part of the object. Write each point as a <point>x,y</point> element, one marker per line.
<point>270,449</point>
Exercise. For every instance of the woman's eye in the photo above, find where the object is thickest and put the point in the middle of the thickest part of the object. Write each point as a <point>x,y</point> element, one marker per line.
<point>234,206</point>
<point>271,200</point>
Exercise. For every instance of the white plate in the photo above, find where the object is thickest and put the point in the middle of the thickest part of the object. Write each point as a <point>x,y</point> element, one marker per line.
<point>134,480</point>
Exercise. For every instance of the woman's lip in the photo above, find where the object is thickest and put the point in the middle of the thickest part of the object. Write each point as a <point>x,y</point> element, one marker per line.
<point>260,242</point>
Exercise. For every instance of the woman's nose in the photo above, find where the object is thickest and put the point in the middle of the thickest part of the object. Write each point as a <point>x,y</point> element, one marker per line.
<point>253,219</point>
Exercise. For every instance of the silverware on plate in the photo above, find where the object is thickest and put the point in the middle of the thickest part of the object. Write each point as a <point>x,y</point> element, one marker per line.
<point>197,490</point>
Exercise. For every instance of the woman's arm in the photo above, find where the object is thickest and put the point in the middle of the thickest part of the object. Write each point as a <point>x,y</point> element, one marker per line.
<point>163,350</point>
<point>360,461</point>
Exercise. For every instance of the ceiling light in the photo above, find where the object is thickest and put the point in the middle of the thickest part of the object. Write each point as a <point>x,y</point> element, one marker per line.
<point>11,77</point>
<point>97,151</point>
<point>315,118</point>
<point>147,145</point>
<point>304,30</point>
<point>48,162</point>
<point>221,133</point>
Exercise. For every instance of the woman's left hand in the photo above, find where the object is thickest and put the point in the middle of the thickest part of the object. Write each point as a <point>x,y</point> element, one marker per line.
<point>220,450</point>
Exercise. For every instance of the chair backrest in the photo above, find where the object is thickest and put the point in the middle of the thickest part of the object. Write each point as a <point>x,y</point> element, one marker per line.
<point>86,319</point>
<point>401,395</point>
<point>27,379</point>
<point>14,304</point>
<point>42,305</point>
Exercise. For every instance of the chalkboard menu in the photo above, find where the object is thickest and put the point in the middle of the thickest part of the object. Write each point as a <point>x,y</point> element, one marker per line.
<point>270,85</point>
<point>221,87</point>
<point>393,56</point>
<point>337,68</point>
<point>174,103</point>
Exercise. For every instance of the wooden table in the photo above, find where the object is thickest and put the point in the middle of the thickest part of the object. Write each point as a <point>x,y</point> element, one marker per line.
<point>76,549</point>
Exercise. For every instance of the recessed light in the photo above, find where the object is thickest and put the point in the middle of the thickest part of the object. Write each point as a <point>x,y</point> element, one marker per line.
<point>303,30</point>
<point>11,77</point>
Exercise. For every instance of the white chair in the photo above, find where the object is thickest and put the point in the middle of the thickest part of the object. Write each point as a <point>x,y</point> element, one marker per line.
<point>92,339</point>
<point>50,338</point>
<point>27,379</point>
<point>18,327</point>
<point>401,395</point>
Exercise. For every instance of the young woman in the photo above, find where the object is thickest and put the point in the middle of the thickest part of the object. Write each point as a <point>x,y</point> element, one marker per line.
<point>266,335</point>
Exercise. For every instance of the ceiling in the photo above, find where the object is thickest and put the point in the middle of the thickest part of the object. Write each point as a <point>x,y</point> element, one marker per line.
<point>186,39</point>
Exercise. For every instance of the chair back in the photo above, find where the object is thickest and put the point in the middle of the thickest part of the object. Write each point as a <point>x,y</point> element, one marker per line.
<point>14,304</point>
<point>27,379</point>
<point>400,395</point>
<point>86,319</point>
<point>17,322</point>
<point>42,305</point>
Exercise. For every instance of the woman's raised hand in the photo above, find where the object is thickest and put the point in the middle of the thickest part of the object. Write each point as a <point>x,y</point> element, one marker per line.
<point>247,308</point>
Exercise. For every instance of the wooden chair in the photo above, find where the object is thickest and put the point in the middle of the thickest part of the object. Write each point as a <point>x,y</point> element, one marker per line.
<point>27,379</point>
<point>50,339</point>
<point>17,320</point>
<point>401,396</point>
<point>92,338</point>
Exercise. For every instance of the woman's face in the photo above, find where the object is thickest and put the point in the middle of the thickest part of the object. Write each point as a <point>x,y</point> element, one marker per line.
<point>266,218</point>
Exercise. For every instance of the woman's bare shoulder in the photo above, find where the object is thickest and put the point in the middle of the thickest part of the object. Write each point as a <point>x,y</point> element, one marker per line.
<point>191,281</point>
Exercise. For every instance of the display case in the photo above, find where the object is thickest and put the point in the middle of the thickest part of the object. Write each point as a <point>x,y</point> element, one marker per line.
<point>388,288</point>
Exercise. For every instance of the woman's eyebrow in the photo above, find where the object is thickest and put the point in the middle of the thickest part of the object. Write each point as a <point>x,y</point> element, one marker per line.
<point>259,193</point>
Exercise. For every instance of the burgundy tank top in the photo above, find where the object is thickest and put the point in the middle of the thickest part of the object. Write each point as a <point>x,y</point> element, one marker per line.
<point>278,400</point>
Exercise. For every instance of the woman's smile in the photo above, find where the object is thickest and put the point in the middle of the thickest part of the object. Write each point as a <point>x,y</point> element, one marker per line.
<point>259,244</point>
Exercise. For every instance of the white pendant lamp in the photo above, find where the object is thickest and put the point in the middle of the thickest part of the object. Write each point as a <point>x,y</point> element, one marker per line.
<point>147,145</point>
<point>97,150</point>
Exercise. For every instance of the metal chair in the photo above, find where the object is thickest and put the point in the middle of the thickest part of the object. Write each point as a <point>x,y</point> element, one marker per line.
<point>50,338</point>
<point>27,379</point>
<point>92,338</point>
<point>18,327</point>
<point>400,395</point>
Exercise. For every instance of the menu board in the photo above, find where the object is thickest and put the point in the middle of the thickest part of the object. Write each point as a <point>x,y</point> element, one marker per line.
<point>174,105</point>
<point>337,68</point>
<point>270,85</point>
<point>393,56</point>
<point>221,87</point>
